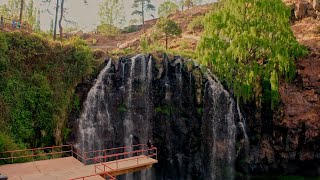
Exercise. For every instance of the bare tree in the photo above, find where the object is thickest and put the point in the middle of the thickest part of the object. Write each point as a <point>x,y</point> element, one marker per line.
<point>60,20</point>
<point>21,10</point>
<point>56,21</point>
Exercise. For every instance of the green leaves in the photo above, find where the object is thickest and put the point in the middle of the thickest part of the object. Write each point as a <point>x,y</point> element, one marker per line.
<point>248,42</point>
<point>37,82</point>
<point>167,8</point>
<point>169,28</point>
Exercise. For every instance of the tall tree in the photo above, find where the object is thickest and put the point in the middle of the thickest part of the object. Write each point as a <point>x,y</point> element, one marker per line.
<point>167,8</point>
<point>250,45</point>
<point>111,12</point>
<point>144,6</point>
<point>56,21</point>
<point>60,20</point>
<point>21,10</point>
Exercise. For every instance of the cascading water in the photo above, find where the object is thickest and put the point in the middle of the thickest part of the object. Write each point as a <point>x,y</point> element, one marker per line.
<point>132,104</point>
<point>128,124</point>
<point>220,119</point>
<point>95,117</point>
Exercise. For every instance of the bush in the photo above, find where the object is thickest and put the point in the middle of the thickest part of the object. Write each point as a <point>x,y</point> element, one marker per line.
<point>131,28</point>
<point>196,24</point>
<point>108,30</point>
<point>37,85</point>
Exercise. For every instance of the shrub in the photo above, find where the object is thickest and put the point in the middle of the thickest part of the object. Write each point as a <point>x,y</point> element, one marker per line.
<point>37,85</point>
<point>196,24</point>
<point>108,30</point>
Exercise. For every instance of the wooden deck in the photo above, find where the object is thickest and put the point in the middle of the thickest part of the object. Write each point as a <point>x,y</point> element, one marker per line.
<point>69,167</point>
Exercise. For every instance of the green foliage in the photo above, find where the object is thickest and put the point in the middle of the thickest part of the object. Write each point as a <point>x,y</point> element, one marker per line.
<point>108,30</point>
<point>142,6</point>
<point>131,28</point>
<point>144,44</point>
<point>169,28</point>
<point>196,24</point>
<point>11,10</point>
<point>167,8</point>
<point>122,108</point>
<point>37,83</point>
<point>166,110</point>
<point>248,42</point>
<point>111,13</point>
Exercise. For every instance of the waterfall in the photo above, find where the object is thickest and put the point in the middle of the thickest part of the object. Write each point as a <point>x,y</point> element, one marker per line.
<point>128,107</point>
<point>128,124</point>
<point>221,130</point>
<point>242,125</point>
<point>95,117</point>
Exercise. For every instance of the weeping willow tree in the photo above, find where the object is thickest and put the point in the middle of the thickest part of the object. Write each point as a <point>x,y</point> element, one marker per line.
<point>250,46</point>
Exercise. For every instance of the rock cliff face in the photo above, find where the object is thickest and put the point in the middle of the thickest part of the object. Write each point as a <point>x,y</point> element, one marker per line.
<point>193,121</point>
<point>190,117</point>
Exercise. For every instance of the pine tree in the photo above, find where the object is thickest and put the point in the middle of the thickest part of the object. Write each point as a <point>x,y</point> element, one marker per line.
<point>169,28</point>
<point>249,43</point>
<point>143,6</point>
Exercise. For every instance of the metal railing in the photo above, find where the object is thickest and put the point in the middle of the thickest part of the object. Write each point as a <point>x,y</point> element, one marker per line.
<point>31,154</point>
<point>102,163</point>
<point>101,158</point>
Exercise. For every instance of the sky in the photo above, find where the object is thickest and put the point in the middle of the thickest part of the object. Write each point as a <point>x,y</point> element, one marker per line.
<point>86,16</point>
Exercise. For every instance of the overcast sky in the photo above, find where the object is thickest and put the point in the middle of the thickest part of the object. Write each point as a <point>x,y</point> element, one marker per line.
<point>86,16</point>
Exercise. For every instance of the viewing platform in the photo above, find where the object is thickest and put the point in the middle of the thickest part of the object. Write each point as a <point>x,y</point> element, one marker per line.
<point>67,162</point>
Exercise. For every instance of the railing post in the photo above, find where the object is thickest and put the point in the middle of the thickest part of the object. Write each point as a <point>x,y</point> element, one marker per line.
<point>85,158</point>
<point>105,154</point>
<point>117,161</point>
<point>32,154</point>
<point>71,150</point>
<point>12,157</point>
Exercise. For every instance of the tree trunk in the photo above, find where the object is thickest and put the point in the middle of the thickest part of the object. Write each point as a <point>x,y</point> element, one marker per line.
<point>142,12</point>
<point>56,21</point>
<point>166,41</point>
<point>60,20</point>
<point>21,11</point>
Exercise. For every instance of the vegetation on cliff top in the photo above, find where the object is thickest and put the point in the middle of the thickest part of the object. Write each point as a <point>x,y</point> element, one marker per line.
<point>37,80</point>
<point>250,45</point>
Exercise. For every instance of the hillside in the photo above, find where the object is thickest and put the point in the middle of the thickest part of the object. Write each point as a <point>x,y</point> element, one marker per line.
<point>188,39</point>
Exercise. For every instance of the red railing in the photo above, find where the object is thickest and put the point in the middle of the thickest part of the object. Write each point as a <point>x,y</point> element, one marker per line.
<point>121,154</point>
<point>36,152</point>
<point>137,156</point>
<point>102,166</point>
